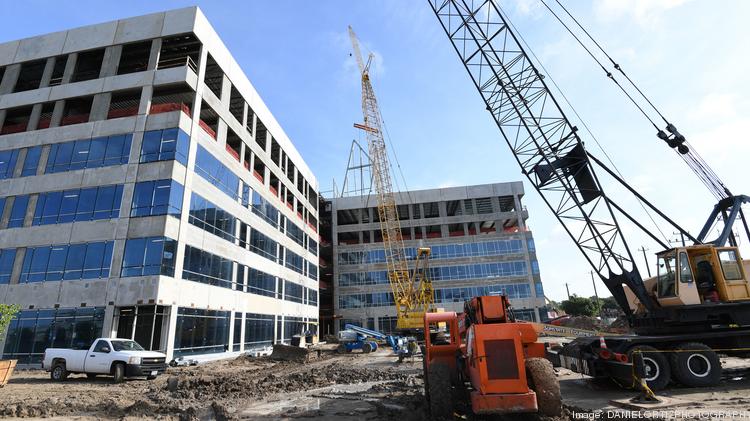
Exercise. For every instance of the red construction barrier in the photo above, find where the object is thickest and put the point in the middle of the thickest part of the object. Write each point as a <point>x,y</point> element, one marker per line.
<point>14,128</point>
<point>75,119</point>
<point>232,152</point>
<point>207,128</point>
<point>168,107</point>
<point>122,112</point>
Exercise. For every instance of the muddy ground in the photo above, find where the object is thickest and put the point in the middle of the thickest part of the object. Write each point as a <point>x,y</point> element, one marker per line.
<point>336,387</point>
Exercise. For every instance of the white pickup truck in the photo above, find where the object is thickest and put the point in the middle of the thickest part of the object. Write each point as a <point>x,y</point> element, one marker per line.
<point>120,358</point>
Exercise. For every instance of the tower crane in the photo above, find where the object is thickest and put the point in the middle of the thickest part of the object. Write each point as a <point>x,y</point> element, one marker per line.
<point>413,294</point>
<point>700,299</point>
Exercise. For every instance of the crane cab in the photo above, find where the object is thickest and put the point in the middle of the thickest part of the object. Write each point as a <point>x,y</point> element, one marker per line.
<point>700,274</point>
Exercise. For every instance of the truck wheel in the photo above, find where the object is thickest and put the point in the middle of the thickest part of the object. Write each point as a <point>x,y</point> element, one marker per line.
<point>657,368</point>
<point>366,348</point>
<point>439,390</point>
<point>696,365</point>
<point>119,372</point>
<point>59,372</point>
<point>543,381</point>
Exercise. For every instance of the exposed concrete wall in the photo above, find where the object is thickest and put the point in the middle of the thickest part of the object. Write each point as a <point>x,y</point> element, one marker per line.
<point>114,292</point>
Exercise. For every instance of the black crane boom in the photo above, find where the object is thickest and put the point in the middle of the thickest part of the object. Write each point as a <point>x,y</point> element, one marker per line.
<point>544,142</point>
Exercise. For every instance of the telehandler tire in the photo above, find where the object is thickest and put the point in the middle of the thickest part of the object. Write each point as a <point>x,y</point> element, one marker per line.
<point>695,365</point>
<point>366,348</point>
<point>543,381</point>
<point>439,390</point>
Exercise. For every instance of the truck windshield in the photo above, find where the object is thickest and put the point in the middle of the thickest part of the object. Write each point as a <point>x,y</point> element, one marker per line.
<point>126,346</point>
<point>666,279</point>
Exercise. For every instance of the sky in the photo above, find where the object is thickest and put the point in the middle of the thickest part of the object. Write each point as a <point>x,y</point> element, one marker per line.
<point>689,56</point>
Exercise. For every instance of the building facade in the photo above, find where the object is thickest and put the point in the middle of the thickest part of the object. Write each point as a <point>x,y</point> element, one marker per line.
<point>148,193</point>
<point>480,246</point>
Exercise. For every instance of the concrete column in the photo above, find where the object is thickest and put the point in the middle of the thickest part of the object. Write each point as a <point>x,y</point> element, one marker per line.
<point>15,275</point>
<point>153,57</point>
<point>57,113</point>
<point>100,106</point>
<point>43,158</point>
<point>33,198</point>
<point>108,330</point>
<point>110,61</point>
<point>19,162</point>
<point>226,90</point>
<point>519,212</point>
<point>127,199</point>
<point>47,75</point>
<point>171,331</point>
<point>146,96</point>
<point>10,78</point>
<point>70,67</point>
<point>242,333</point>
<point>36,112</point>
<point>221,132</point>
<point>231,331</point>
<point>117,254</point>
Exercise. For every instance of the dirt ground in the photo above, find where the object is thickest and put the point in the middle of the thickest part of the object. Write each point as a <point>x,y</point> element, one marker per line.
<point>336,387</point>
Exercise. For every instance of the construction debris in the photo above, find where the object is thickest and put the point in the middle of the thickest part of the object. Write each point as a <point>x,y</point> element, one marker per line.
<point>283,352</point>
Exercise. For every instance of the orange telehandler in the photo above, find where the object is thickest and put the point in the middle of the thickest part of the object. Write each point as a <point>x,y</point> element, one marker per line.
<point>483,359</point>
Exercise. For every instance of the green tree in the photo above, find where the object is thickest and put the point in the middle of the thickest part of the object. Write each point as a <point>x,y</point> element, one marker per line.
<point>7,311</point>
<point>580,306</point>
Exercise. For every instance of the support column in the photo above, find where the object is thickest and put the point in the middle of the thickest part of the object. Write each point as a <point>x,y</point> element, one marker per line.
<point>108,324</point>
<point>10,78</point>
<point>171,332</point>
<point>153,57</point>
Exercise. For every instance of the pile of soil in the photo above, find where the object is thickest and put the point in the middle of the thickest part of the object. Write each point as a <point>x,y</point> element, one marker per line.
<point>585,323</point>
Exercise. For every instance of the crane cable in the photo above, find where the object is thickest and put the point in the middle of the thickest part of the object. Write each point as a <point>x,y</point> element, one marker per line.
<point>601,65</point>
<point>693,160</point>
<point>583,122</point>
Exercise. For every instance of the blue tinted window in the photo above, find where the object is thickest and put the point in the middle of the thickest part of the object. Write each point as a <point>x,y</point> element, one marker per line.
<point>293,261</point>
<point>86,202</point>
<point>97,151</point>
<point>202,266</point>
<point>149,256</point>
<point>164,145</point>
<point>261,283</point>
<point>31,162</point>
<point>8,161</point>
<point>78,205</point>
<point>216,173</point>
<point>89,153</point>
<point>212,218</point>
<point>263,245</point>
<point>158,197</point>
<point>18,211</point>
<point>293,292</point>
<point>7,258</point>
<point>74,263</point>
<point>265,210</point>
<point>58,262</point>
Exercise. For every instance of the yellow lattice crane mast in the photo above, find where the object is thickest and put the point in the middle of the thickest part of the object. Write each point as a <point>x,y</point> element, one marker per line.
<point>412,291</point>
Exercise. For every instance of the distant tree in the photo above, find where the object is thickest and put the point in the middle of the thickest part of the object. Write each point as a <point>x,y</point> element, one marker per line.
<point>7,311</point>
<point>580,306</point>
<point>610,306</point>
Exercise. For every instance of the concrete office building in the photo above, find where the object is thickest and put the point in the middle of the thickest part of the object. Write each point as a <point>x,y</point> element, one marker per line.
<point>480,246</point>
<point>148,193</point>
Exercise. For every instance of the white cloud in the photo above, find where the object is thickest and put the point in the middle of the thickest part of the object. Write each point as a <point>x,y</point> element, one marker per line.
<point>643,12</point>
<point>716,106</point>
